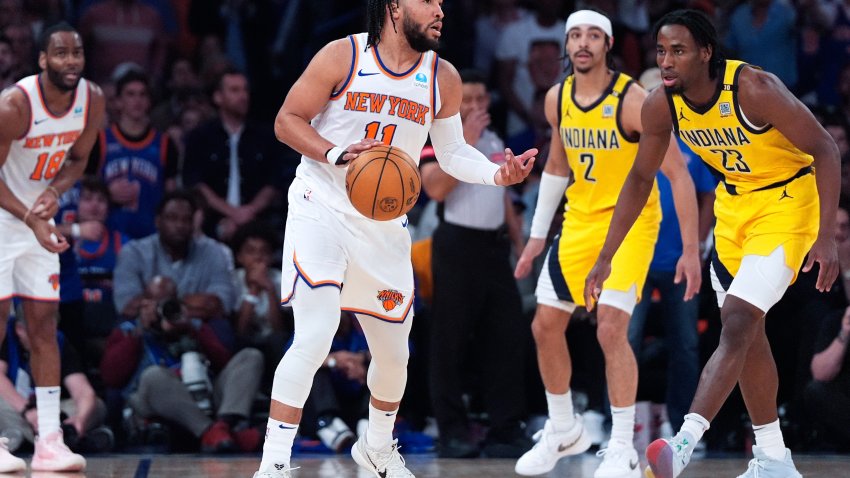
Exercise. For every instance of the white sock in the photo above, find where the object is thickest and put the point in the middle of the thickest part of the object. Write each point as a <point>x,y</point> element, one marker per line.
<point>695,426</point>
<point>277,449</point>
<point>561,414</point>
<point>47,406</point>
<point>622,427</point>
<point>380,432</point>
<point>769,439</point>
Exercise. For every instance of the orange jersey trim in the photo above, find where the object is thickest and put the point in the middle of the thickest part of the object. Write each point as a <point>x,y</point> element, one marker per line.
<point>434,86</point>
<point>36,299</point>
<point>44,104</point>
<point>378,316</point>
<point>355,55</point>
<point>142,143</point>
<point>386,71</point>
<point>29,122</point>
<point>299,272</point>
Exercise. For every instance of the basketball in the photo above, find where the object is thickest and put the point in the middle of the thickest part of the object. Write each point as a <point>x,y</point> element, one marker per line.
<point>383,183</point>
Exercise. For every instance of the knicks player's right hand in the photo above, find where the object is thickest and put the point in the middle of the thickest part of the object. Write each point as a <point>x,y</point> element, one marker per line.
<point>532,249</point>
<point>355,149</point>
<point>47,235</point>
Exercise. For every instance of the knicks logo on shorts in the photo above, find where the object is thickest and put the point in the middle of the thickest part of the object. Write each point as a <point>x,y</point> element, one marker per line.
<point>54,281</point>
<point>390,299</point>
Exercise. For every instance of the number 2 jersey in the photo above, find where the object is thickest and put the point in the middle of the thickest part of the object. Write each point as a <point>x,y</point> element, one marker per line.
<point>396,108</point>
<point>36,157</point>
<point>600,153</point>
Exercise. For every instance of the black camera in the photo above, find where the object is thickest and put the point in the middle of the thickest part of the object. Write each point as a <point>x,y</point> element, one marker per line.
<point>170,310</point>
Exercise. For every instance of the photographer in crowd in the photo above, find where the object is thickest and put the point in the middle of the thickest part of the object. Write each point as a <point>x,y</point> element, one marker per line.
<point>197,265</point>
<point>146,357</point>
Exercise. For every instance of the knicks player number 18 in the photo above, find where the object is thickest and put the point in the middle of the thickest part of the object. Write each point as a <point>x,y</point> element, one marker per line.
<point>387,132</point>
<point>47,168</point>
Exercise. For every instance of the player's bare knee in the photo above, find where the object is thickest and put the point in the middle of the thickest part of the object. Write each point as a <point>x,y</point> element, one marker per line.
<point>548,323</point>
<point>611,335</point>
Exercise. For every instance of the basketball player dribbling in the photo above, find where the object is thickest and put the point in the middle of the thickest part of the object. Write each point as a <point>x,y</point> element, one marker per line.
<point>776,204</point>
<point>385,86</point>
<point>596,124</point>
<point>48,125</point>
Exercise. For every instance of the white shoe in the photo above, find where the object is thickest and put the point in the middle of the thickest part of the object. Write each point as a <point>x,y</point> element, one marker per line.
<point>551,447</point>
<point>763,466</point>
<point>384,463</point>
<point>51,454</point>
<point>284,472</point>
<point>667,458</point>
<point>618,463</point>
<point>9,462</point>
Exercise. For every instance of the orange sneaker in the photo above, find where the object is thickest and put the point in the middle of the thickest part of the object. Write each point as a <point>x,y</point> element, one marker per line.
<point>51,454</point>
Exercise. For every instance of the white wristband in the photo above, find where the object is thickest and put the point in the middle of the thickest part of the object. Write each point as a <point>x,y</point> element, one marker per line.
<point>75,230</point>
<point>549,196</point>
<point>334,155</point>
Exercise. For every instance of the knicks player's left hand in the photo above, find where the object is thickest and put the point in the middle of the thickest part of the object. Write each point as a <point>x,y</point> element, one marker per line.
<point>593,284</point>
<point>47,235</point>
<point>516,168</point>
<point>825,252</point>
<point>46,205</point>
<point>689,268</point>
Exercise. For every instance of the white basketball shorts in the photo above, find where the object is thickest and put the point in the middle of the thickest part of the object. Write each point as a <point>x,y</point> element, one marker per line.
<point>27,270</point>
<point>369,261</point>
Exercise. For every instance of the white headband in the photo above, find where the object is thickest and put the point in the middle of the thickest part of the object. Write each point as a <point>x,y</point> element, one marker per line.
<point>589,17</point>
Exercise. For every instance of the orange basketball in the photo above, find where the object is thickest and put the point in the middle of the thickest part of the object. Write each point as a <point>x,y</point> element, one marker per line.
<point>383,183</point>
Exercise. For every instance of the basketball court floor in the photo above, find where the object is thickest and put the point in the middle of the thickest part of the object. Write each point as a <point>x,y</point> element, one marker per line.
<point>423,466</point>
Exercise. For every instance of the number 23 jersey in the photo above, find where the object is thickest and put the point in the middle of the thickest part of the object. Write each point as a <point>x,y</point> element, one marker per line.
<point>396,108</point>
<point>35,158</point>
<point>749,158</point>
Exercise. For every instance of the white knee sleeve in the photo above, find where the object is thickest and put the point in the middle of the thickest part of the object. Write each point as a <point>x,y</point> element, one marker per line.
<point>387,375</point>
<point>316,321</point>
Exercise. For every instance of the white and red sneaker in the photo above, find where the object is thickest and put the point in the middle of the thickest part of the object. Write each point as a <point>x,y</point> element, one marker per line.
<point>51,454</point>
<point>8,462</point>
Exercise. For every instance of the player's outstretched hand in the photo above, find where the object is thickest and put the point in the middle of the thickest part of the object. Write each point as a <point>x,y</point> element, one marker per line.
<point>825,252</point>
<point>593,284</point>
<point>47,235</point>
<point>689,268</point>
<point>355,149</point>
<point>516,168</point>
<point>532,249</point>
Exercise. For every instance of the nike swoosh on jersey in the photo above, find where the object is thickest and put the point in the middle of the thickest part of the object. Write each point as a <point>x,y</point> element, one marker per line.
<point>360,73</point>
<point>39,121</point>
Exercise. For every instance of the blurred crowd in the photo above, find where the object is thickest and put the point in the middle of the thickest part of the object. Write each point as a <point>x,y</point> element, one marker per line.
<point>169,316</point>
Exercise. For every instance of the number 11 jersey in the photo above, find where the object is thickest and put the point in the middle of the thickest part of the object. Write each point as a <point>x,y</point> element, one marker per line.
<point>396,108</point>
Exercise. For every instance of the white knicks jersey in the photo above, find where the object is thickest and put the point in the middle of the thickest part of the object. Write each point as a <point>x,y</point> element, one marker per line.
<point>373,102</point>
<point>35,158</point>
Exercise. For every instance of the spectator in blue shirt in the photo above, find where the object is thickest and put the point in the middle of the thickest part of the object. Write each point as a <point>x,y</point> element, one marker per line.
<point>762,32</point>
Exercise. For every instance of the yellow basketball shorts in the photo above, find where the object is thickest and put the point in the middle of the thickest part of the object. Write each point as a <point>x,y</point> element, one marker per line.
<point>575,250</point>
<point>759,222</point>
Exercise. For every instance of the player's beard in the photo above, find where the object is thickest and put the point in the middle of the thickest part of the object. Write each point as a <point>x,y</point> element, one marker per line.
<point>418,39</point>
<point>58,80</point>
<point>674,90</point>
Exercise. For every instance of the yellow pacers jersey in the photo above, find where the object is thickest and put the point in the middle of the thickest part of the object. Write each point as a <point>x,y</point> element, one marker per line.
<point>748,158</point>
<point>599,152</point>
<point>600,155</point>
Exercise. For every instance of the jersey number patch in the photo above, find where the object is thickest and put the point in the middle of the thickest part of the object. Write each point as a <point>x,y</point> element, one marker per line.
<point>47,168</point>
<point>587,158</point>
<point>387,132</point>
<point>733,160</point>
